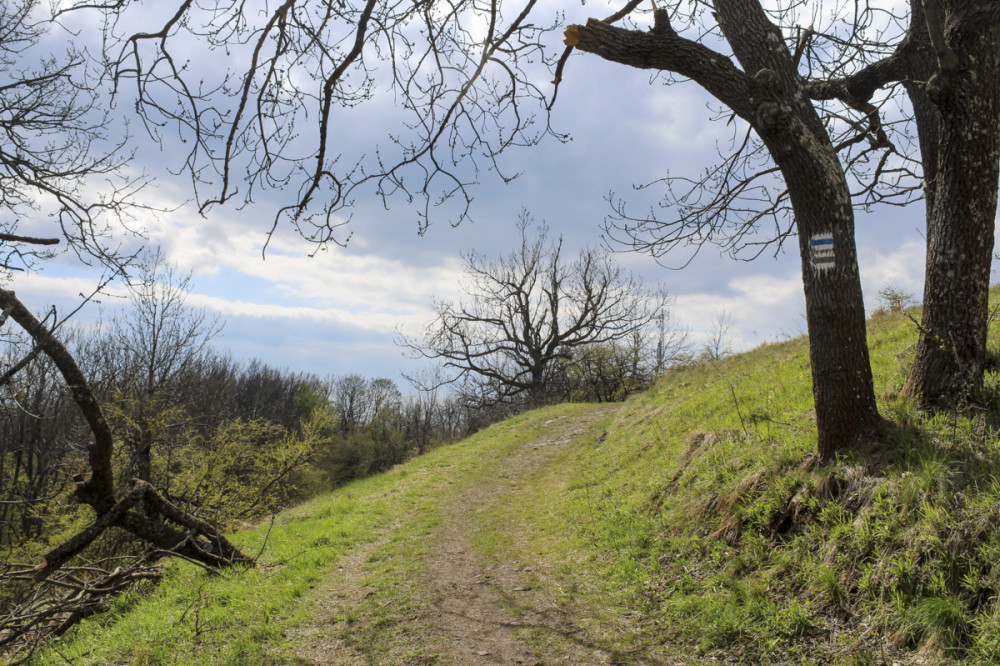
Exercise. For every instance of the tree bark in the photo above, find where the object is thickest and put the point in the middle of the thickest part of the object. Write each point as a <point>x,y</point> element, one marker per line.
<point>948,368</point>
<point>775,104</point>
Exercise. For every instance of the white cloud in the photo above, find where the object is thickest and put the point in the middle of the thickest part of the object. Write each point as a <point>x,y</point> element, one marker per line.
<point>37,290</point>
<point>761,307</point>
<point>377,320</point>
<point>902,269</point>
<point>341,278</point>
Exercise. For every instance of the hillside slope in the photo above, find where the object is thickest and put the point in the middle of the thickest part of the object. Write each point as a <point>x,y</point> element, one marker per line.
<point>689,525</point>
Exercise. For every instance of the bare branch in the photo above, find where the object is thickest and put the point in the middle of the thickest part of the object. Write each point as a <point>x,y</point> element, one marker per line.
<point>12,238</point>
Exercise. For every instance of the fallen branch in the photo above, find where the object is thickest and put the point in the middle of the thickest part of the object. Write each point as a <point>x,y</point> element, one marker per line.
<point>51,608</point>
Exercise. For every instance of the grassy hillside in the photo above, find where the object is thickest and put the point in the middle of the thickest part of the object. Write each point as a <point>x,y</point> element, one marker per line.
<point>737,544</point>
<point>690,525</point>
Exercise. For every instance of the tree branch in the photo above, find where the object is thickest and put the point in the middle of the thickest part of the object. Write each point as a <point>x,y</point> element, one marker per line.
<point>663,49</point>
<point>13,238</point>
<point>98,491</point>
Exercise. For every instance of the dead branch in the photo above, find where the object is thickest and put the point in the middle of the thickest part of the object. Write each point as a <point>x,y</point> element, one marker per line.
<point>68,596</point>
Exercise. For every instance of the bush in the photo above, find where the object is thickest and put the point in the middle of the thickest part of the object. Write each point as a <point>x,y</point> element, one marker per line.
<point>249,468</point>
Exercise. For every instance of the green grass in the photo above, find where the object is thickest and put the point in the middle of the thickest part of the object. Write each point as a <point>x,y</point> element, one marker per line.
<point>694,523</point>
<point>242,617</point>
<point>709,508</point>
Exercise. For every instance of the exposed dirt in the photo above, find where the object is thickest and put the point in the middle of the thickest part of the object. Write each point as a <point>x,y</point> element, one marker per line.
<point>478,610</point>
<point>485,610</point>
<point>321,641</point>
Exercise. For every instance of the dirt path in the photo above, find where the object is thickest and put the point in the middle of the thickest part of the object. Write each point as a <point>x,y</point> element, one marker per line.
<point>477,610</point>
<point>485,610</point>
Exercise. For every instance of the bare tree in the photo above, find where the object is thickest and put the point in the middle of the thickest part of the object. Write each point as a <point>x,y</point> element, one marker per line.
<point>719,343</point>
<point>764,89</point>
<point>57,159</point>
<point>37,427</point>
<point>146,352</point>
<point>64,182</point>
<point>529,308</point>
<point>350,399</point>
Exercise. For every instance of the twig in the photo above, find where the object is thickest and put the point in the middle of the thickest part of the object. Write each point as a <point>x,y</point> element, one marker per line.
<point>267,535</point>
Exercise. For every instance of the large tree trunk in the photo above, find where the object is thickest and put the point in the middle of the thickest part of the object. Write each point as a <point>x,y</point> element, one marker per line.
<point>191,537</point>
<point>951,354</point>
<point>769,94</point>
<point>843,389</point>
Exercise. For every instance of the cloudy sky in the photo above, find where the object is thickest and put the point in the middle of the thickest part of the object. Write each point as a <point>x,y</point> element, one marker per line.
<point>336,312</point>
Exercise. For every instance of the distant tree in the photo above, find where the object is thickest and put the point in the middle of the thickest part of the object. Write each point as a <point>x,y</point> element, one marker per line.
<point>426,412</point>
<point>719,343</point>
<point>144,359</point>
<point>419,412</point>
<point>672,344</point>
<point>605,373</point>
<point>612,371</point>
<point>350,400</point>
<point>375,430</point>
<point>528,309</point>
<point>385,400</point>
<point>893,299</point>
<point>263,392</point>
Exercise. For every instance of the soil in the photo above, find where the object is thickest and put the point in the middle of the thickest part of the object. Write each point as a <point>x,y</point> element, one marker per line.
<point>479,610</point>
